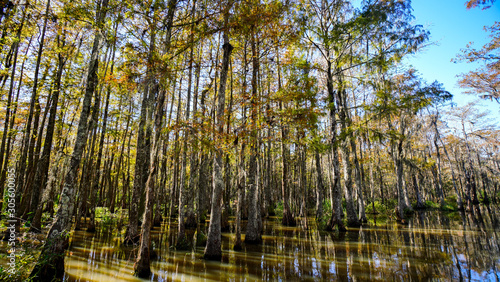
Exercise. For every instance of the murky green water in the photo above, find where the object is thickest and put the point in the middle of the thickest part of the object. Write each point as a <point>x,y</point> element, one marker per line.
<point>434,245</point>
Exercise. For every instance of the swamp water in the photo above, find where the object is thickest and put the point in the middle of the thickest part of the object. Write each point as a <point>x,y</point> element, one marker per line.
<point>433,246</point>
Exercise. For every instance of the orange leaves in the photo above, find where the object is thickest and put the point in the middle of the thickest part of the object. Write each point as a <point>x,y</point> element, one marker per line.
<point>475,3</point>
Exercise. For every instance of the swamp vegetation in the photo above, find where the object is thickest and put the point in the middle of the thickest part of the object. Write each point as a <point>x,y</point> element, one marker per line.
<point>240,140</point>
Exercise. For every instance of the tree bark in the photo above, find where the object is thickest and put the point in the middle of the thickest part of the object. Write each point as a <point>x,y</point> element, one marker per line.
<point>470,178</point>
<point>336,195</point>
<point>22,161</point>
<point>3,165</point>
<point>51,260</point>
<point>142,264</point>
<point>439,187</point>
<point>95,178</point>
<point>241,187</point>
<point>184,192</point>
<point>34,111</point>
<point>252,234</point>
<point>319,186</point>
<point>340,99</point>
<point>143,157</point>
<point>359,183</point>
<point>43,164</point>
<point>453,178</point>
<point>288,217</point>
<point>213,248</point>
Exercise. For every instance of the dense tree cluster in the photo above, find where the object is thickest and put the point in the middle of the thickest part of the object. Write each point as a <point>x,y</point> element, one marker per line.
<point>199,109</point>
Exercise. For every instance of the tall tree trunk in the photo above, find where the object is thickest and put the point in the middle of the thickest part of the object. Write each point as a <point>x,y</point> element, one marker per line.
<point>252,234</point>
<point>194,160</point>
<point>95,178</point>
<point>9,126</point>
<point>352,218</point>
<point>336,195</point>
<point>453,178</point>
<point>439,187</point>
<point>302,179</point>
<point>288,217</point>
<point>268,202</point>
<point>34,106</point>
<point>3,165</point>
<point>398,164</point>
<point>213,248</point>
<point>142,264</point>
<point>184,192</point>
<point>241,187</point>
<point>470,175</point>
<point>118,169</point>
<point>381,183</point>
<point>143,157</point>
<point>22,161</point>
<point>82,203</point>
<point>484,177</point>
<point>173,184</point>
<point>420,203</point>
<point>51,260</point>
<point>43,164</point>
<point>372,176</point>
<point>241,173</point>
<point>175,178</point>
<point>203,177</point>
<point>186,208</point>
<point>227,170</point>
<point>359,182</point>
<point>397,153</point>
<point>319,186</point>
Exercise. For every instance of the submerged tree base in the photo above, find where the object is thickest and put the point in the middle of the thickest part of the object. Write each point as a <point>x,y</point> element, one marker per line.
<point>333,222</point>
<point>253,241</point>
<point>224,221</point>
<point>354,223</point>
<point>143,272</point>
<point>237,246</point>
<point>50,265</point>
<point>201,239</point>
<point>369,243</point>
<point>182,244</point>
<point>48,272</point>
<point>190,220</point>
<point>288,219</point>
<point>129,241</point>
<point>419,206</point>
<point>91,228</point>
<point>213,257</point>
<point>157,220</point>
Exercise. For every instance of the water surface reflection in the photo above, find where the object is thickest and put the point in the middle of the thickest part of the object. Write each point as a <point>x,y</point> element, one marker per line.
<point>434,245</point>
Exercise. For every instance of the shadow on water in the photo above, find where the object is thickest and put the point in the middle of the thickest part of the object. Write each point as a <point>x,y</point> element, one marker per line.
<point>434,245</point>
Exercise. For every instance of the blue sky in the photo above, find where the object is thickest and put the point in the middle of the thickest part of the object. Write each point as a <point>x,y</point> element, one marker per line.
<point>452,27</point>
